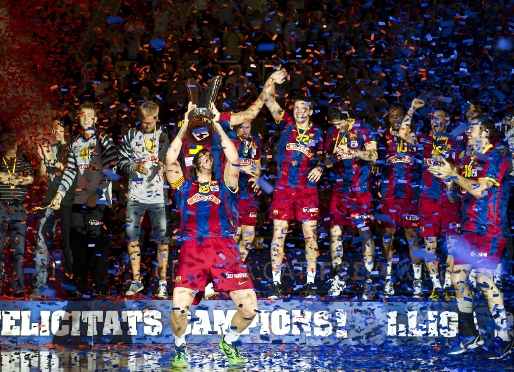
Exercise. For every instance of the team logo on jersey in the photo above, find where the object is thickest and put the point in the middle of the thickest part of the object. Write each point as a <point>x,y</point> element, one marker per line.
<point>178,279</point>
<point>275,212</point>
<point>401,159</point>
<point>354,144</point>
<point>353,136</point>
<point>189,161</point>
<point>199,197</point>
<point>411,217</point>
<point>296,147</point>
<point>215,188</point>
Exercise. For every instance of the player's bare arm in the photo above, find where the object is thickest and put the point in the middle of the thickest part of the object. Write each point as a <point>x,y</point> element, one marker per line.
<point>478,189</point>
<point>405,132</point>
<point>251,113</point>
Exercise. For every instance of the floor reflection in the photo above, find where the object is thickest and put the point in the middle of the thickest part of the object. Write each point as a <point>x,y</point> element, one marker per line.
<point>268,357</point>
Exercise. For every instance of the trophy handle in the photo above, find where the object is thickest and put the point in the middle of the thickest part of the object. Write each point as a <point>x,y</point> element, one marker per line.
<point>212,92</point>
<point>192,91</point>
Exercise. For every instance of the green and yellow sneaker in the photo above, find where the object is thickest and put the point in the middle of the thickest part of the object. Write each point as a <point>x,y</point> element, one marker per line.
<point>231,353</point>
<point>180,358</point>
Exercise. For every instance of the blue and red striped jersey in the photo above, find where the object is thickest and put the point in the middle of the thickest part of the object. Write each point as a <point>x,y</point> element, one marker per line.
<point>349,173</point>
<point>400,179</point>
<point>249,151</point>
<point>488,215</point>
<point>297,153</point>
<point>439,145</point>
<point>208,210</point>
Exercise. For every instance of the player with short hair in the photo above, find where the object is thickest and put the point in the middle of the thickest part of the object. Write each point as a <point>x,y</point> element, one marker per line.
<point>351,149</point>
<point>209,252</point>
<point>484,184</point>
<point>399,189</point>
<point>439,218</point>
<point>296,195</point>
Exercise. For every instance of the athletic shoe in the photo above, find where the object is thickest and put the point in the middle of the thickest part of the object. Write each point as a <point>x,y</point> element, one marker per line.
<point>449,294</point>
<point>389,289</point>
<point>231,352</point>
<point>309,291</point>
<point>135,287</point>
<point>162,293</point>
<point>277,291</point>
<point>470,344</point>
<point>180,358</point>
<point>368,290</point>
<point>417,284</point>
<point>500,349</point>
<point>337,287</point>
<point>435,295</point>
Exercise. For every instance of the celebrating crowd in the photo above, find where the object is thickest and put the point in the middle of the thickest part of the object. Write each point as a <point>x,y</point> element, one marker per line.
<point>376,123</point>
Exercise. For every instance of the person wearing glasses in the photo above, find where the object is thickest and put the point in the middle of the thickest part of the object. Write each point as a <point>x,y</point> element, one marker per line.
<point>142,156</point>
<point>351,150</point>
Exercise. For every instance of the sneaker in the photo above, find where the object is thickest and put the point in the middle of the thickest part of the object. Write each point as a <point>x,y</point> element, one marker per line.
<point>309,291</point>
<point>435,295</point>
<point>180,358</point>
<point>231,352</point>
<point>135,287</point>
<point>162,293</point>
<point>470,344</point>
<point>500,349</point>
<point>417,284</point>
<point>36,295</point>
<point>337,286</point>
<point>389,289</point>
<point>368,290</point>
<point>448,294</point>
<point>277,291</point>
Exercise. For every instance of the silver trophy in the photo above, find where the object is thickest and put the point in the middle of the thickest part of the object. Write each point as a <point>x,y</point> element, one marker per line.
<point>200,130</point>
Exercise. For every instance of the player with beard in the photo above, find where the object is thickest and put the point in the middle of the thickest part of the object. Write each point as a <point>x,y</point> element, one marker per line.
<point>483,181</point>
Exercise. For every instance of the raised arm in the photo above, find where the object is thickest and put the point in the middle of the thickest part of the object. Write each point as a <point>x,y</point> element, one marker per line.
<point>405,131</point>
<point>173,169</point>
<point>252,112</point>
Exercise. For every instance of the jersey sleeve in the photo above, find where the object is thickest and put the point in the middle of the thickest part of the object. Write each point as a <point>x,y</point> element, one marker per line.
<point>368,136</point>
<point>494,168</point>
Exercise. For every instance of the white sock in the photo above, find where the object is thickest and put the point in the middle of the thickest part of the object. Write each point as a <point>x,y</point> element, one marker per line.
<point>498,273</point>
<point>163,282</point>
<point>209,288</point>
<point>389,269</point>
<point>310,277</point>
<point>417,271</point>
<point>277,276</point>
<point>500,318</point>
<point>447,279</point>
<point>231,336</point>
<point>180,340</point>
<point>369,266</point>
<point>435,281</point>
<point>473,278</point>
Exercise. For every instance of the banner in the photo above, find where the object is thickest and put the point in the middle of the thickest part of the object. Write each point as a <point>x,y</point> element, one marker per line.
<point>281,321</point>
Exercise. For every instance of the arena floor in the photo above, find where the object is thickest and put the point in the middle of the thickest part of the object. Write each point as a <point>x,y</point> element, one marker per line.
<point>271,357</point>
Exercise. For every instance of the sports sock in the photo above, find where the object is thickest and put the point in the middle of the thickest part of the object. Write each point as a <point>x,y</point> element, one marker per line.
<point>467,325</point>
<point>447,279</point>
<point>163,282</point>
<point>435,281</point>
<point>276,276</point>
<point>311,276</point>
<point>180,340</point>
<point>417,271</point>
<point>231,337</point>
<point>389,269</point>
<point>368,264</point>
<point>500,318</point>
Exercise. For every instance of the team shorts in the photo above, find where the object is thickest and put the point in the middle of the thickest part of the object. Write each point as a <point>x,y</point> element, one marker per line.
<point>481,251</point>
<point>294,203</point>
<point>215,260</point>
<point>398,213</point>
<point>247,212</point>
<point>350,209</point>
<point>439,218</point>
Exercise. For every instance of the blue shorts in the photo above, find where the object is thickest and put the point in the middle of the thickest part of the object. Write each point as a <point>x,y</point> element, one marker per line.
<point>135,215</point>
